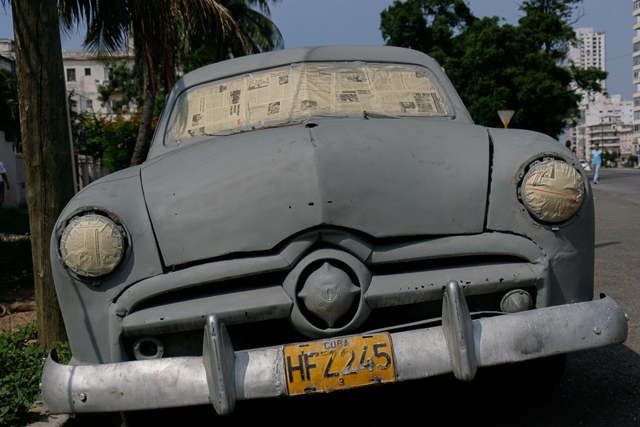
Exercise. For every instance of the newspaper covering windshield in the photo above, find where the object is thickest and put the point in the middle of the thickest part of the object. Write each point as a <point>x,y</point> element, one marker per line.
<point>405,91</point>
<point>210,109</point>
<point>302,90</point>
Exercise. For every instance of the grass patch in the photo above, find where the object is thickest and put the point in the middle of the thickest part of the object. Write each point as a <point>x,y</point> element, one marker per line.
<point>21,362</point>
<point>14,221</point>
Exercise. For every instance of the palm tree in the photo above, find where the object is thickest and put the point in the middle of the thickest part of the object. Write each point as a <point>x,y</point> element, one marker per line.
<point>259,34</point>
<point>46,140</point>
<point>161,30</point>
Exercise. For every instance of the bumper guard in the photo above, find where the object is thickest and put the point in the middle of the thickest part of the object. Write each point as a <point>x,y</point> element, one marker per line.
<point>222,376</point>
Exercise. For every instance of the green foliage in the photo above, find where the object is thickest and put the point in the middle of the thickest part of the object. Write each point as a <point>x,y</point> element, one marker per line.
<point>111,138</point>
<point>631,160</point>
<point>21,361</point>
<point>20,371</point>
<point>161,97</point>
<point>609,156</point>
<point>429,26</point>
<point>9,107</point>
<point>497,67</point>
<point>200,56</point>
<point>122,80</point>
<point>545,25</point>
<point>259,34</point>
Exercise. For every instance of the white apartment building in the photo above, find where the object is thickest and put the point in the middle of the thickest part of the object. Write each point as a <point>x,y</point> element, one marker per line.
<point>606,121</point>
<point>636,74</point>
<point>84,71</point>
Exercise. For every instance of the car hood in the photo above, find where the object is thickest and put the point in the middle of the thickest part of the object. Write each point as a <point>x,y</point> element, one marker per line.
<point>383,177</point>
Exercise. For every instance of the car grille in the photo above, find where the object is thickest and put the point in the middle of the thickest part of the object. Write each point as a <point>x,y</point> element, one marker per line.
<point>405,289</point>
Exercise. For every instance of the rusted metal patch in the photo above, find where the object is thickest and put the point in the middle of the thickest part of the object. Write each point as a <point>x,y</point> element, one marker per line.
<point>339,363</point>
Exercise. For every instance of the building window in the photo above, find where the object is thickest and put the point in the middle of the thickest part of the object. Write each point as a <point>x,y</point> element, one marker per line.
<point>71,74</point>
<point>106,73</point>
<point>636,60</point>
<point>87,71</point>
<point>636,115</point>
<point>89,104</point>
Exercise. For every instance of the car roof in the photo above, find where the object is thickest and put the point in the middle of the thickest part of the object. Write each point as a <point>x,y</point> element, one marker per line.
<point>277,58</point>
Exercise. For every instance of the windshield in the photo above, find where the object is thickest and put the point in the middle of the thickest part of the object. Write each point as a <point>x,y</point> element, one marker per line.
<point>299,91</point>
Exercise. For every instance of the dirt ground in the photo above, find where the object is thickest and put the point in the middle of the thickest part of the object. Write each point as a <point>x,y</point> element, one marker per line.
<point>10,321</point>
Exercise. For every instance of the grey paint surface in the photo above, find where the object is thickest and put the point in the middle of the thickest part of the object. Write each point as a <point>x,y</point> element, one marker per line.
<point>217,225</point>
<point>570,248</point>
<point>384,177</point>
<point>84,305</point>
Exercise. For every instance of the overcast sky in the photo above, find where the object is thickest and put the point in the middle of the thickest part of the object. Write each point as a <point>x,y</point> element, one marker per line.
<point>326,22</point>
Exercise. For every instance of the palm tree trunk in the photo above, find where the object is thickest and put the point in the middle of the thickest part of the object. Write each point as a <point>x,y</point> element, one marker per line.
<point>44,123</point>
<point>144,132</point>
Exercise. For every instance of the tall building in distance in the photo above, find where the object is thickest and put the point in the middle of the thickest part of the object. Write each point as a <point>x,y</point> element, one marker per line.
<point>636,74</point>
<point>605,120</point>
<point>589,51</point>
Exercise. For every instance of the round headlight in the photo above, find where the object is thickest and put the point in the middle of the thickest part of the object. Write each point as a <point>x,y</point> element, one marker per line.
<point>552,190</point>
<point>92,245</point>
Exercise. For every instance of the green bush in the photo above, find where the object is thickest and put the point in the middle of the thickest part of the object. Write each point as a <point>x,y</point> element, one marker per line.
<point>111,138</point>
<point>21,362</point>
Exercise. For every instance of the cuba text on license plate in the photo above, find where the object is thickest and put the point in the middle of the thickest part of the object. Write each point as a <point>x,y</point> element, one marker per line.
<point>339,363</point>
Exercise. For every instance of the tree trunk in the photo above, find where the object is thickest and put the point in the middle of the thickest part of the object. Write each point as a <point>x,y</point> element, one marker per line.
<point>144,131</point>
<point>44,123</point>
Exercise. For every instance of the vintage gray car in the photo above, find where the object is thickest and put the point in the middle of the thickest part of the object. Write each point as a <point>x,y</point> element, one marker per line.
<point>318,219</point>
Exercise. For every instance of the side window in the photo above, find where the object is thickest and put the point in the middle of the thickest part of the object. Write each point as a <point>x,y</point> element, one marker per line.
<point>71,74</point>
<point>87,71</point>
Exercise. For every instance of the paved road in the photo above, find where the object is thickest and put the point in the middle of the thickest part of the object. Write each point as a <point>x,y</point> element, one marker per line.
<point>601,388</point>
<point>624,183</point>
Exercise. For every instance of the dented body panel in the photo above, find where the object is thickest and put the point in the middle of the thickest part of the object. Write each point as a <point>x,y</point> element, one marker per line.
<point>384,178</point>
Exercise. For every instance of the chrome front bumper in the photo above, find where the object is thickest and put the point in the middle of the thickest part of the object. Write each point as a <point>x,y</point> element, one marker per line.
<point>222,376</point>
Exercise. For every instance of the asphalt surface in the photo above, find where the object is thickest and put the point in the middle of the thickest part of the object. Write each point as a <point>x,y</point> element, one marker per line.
<point>600,387</point>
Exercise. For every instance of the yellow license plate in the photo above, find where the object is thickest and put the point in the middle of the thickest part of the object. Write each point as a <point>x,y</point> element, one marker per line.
<point>339,363</point>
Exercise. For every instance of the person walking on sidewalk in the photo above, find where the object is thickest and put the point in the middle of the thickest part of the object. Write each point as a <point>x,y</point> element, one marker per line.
<point>596,161</point>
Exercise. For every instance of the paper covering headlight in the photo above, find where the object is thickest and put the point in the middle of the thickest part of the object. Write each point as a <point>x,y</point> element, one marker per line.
<point>92,245</point>
<point>552,190</point>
